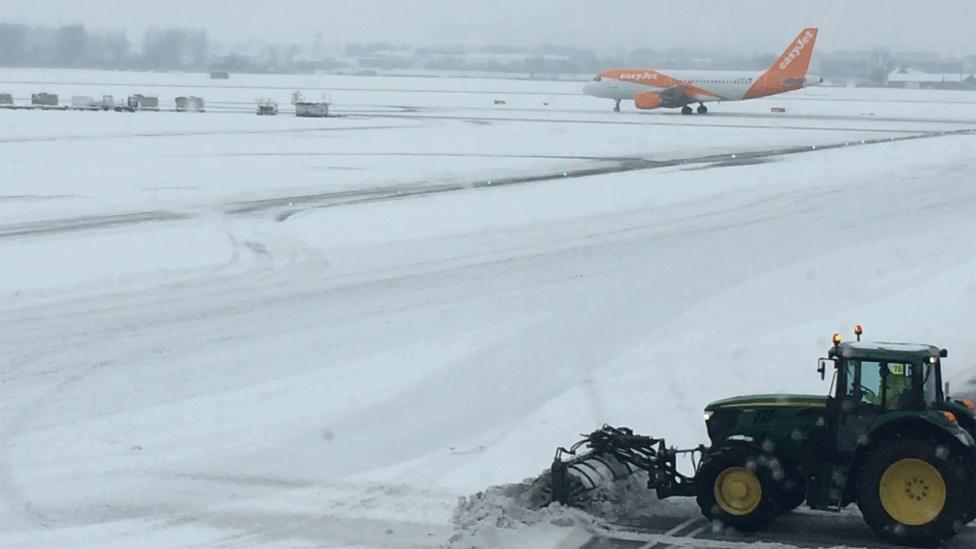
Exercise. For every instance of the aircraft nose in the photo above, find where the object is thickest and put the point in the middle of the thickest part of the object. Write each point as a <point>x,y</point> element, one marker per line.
<point>597,88</point>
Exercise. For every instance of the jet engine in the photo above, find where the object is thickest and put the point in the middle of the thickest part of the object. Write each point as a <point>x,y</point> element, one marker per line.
<point>647,100</point>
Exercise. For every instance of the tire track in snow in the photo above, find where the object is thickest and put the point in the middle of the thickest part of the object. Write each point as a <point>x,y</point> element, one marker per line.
<point>194,133</point>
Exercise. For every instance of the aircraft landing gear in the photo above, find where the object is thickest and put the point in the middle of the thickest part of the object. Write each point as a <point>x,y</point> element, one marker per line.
<point>616,106</point>
<point>702,109</point>
<point>686,110</point>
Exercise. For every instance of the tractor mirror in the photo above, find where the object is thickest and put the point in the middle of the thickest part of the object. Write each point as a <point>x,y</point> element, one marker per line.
<point>822,366</point>
<point>944,353</point>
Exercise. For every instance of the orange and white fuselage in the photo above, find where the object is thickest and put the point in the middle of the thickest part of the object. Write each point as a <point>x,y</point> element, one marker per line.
<point>651,88</point>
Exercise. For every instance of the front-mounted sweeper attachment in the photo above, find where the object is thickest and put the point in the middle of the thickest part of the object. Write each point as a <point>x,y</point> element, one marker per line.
<point>613,453</point>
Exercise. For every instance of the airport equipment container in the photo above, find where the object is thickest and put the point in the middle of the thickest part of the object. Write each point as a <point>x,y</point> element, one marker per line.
<point>312,110</point>
<point>143,103</point>
<point>44,99</point>
<point>189,104</point>
<point>84,103</point>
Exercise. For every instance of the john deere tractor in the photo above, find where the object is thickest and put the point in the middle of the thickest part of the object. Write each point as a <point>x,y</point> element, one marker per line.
<point>887,438</point>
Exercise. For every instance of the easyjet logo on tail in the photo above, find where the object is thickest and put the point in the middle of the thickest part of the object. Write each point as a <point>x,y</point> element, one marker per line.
<point>801,42</point>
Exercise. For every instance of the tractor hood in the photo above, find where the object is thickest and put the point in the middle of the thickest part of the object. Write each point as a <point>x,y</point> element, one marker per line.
<point>768,401</point>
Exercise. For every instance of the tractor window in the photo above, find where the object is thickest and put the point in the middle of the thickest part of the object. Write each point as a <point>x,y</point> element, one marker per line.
<point>864,381</point>
<point>898,384</point>
<point>930,385</point>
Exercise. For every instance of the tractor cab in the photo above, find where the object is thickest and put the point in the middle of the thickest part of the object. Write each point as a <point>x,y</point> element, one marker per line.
<point>886,376</point>
<point>880,392</point>
<point>879,380</point>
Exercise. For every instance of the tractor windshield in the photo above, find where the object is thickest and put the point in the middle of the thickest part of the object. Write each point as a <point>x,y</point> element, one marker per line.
<point>893,385</point>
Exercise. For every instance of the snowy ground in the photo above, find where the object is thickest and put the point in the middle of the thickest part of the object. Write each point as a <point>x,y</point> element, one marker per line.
<point>225,330</point>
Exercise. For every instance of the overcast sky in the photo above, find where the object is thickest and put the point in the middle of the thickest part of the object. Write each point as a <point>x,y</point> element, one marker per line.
<point>946,26</point>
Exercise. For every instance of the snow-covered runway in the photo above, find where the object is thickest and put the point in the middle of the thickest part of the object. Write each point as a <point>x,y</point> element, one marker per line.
<point>221,329</point>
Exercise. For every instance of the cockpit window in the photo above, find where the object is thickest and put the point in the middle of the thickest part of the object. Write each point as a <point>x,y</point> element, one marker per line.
<point>597,78</point>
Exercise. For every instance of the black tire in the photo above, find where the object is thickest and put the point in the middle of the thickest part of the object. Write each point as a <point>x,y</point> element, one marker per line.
<point>793,496</point>
<point>762,466</point>
<point>686,110</point>
<point>954,476</point>
<point>702,109</point>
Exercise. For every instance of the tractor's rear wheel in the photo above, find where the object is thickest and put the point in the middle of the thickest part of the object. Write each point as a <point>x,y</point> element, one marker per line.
<point>737,487</point>
<point>911,492</point>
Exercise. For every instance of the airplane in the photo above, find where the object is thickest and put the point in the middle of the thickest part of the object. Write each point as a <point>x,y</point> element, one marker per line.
<point>652,89</point>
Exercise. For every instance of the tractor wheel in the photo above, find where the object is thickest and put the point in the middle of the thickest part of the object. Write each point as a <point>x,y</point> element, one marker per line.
<point>736,486</point>
<point>911,492</point>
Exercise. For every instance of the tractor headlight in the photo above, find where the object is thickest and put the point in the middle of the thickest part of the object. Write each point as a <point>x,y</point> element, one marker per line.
<point>708,415</point>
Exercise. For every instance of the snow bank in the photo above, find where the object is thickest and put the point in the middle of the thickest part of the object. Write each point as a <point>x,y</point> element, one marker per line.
<point>523,514</point>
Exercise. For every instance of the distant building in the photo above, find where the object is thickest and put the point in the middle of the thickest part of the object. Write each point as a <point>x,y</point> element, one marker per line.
<point>913,79</point>
<point>219,75</point>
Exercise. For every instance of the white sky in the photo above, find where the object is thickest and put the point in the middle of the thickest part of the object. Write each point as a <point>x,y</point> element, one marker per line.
<point>946,26</point>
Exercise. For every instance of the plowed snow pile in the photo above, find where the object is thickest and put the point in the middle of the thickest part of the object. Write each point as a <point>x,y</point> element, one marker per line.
<point>517,515</point>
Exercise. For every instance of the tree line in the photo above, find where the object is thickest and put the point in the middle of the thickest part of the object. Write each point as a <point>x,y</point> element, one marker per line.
<point>74,46</point>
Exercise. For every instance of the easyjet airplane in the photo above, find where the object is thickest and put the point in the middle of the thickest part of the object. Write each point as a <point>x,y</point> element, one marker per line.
<point>652,89</point>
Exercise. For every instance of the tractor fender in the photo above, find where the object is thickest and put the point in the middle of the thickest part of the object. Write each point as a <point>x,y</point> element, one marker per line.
<point>926,424</point>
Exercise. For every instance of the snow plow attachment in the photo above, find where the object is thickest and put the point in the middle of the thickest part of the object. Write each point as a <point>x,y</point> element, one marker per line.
<point>610,454</point>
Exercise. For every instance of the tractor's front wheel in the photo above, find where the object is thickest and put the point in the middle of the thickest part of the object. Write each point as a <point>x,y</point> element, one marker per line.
<point>911,492</point>
<point>737,486</point>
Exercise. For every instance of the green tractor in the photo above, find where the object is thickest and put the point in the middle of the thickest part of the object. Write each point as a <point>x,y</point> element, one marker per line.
<point>887,438</point>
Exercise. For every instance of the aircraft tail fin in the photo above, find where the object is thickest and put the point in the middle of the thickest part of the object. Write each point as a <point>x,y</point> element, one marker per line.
<point>790,68</point>
<point>795,61</point>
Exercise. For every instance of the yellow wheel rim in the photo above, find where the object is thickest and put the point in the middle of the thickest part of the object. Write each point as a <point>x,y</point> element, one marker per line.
<point>737,491</point>
<point>912,492</point>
